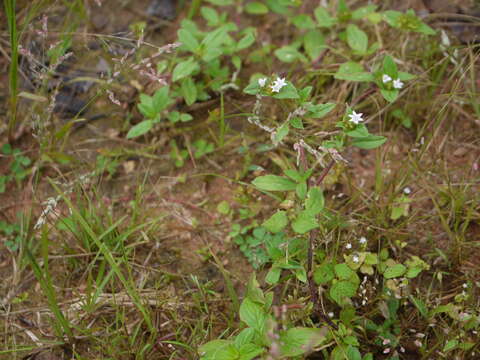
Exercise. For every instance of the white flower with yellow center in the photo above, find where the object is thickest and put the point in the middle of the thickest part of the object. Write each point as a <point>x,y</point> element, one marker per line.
<point>398,84</point>
<point>355,117</point>
<point>262,82</point>
<point>278,84</point>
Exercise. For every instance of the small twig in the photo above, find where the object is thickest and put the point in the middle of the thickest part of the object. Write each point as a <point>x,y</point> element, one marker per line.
<point>324,173</point>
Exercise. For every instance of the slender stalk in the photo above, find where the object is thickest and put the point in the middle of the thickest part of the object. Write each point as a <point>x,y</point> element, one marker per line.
<point>10,6</point>
<point>317,308</point>
<point>222,122</point>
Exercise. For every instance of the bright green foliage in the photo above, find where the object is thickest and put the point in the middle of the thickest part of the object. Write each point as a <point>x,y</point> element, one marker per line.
<point>18,166</point>
<point>253,340</point>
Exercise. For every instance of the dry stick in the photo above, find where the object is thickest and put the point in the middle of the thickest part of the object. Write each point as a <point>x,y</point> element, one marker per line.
<point>317,308</point>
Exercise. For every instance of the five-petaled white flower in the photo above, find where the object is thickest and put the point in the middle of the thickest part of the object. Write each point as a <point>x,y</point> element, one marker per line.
<point>363,240</point>
<point>397,84</point>
<point>355,259</point>
<point>262,82</point>
<point>407,190</point>
<point>386,78</point>
<point>348,246</point>
<point>278,84</point>
<point>355,117</point>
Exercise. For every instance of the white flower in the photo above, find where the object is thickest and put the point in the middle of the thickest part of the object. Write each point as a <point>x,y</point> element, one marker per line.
<point>355,117</point>
<point>355,259</point>
<point>363,240</point>
<point>407,190</point>
<point>386,78</point>
<point>348,246</point>
<point>262,82</point>
<point>397,84</point>
<point>331,314</point>
<point>465,285</point>
<point>278,84</point>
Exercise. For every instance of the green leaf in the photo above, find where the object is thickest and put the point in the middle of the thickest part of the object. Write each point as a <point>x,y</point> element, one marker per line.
<point>324,273</point>
<point>296,123</point>
<point>420,305</point>
<point>210,15</point>
<point>450,345</point>
<point>256,8</point>
<point>295,175</point>
<point>301,190</point>
<point>289,54</point>
<point>304,223</point>
<point>249,351</point>
<point>360,131</point>
<point>389,67</point>
<point>363,12</point>
<point>244,337</point>
<point>146,106</point>
<point>342,289</point>
<point>357,39</point>
<point>280,133</point>
<point>287,92</point>
<point>353,71</point>
<point>221,2</point>
<point>320,110</point>
<point>161,99</point>
<point>218,350</point>
<point>405,76</point>
<point>394,271</point>
<point>274,183</point>
<point>140,129</point>
<point>369,142</point>
<point>184,69</point>
<point>277,222</point>
<point>279,6</point>
<point>323,17</point>
<point>315,201</point>
<point>216,38</point>
<point>353,353</point>
<point>314,43</point>
<point>189,91</point>
<point>344,272</point>
<point>253,315</point>
<point>253,88</point>
<point>246,41</point>
<point>188,40</point>
<point>296,341</point>
<point>7,149</point>
<point>211,53</point>
<point>273,275</point>
<point>389,95</point>
<point>303,21</point>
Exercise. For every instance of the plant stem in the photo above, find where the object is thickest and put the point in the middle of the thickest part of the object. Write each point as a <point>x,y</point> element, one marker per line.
<point>317,307</point>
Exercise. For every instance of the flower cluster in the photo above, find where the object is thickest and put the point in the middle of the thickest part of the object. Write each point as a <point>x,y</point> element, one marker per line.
<point>277,85</point>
